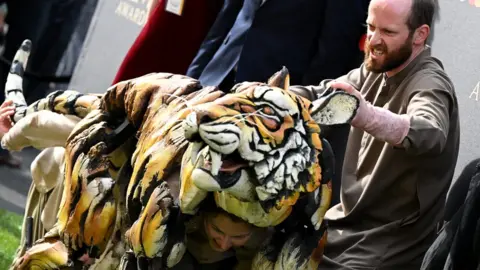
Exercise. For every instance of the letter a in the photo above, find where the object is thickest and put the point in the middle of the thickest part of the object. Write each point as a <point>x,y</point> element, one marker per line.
<point>475,91</point>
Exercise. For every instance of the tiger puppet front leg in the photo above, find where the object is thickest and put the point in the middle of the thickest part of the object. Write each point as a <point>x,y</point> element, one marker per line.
<point>88,216</point>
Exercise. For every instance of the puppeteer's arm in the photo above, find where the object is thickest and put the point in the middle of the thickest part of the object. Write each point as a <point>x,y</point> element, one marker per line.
<point>423,129</point>
<point>356,78</point>
<point>429,109</point>
<point>36,130</point>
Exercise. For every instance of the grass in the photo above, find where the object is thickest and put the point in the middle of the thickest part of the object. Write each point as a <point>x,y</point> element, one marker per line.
<point>10,233</point>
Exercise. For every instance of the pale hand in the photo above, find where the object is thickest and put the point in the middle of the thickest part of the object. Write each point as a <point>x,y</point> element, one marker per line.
<point>347,88</point>
<point>362,113</point>
<point>6,111</point>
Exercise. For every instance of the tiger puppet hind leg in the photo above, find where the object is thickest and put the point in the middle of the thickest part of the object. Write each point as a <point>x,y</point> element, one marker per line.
<point>88,223</point>
<point>257,150</point>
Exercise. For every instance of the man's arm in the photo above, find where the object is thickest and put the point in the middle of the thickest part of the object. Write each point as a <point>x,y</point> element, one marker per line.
<point>423,129</point>
<point>214,39</point>
<point>355,78</point>
<point>337,46</point>
<point>429,110</point>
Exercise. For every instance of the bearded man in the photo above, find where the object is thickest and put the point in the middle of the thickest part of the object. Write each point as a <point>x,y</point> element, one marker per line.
<point>402,148</point>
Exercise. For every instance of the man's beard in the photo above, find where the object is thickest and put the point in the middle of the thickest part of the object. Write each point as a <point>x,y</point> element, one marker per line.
<point>391,60</point>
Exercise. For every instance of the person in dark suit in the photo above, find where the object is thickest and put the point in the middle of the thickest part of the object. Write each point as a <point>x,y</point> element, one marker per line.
<point>314,39</point>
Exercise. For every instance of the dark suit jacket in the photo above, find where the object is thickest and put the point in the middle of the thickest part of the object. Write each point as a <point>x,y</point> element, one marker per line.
<point>314,39</point>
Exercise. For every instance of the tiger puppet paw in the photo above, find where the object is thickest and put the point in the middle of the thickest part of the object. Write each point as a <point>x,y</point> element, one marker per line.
<point>157,238</point>
<point>301,249</point>
<point>49,254</point>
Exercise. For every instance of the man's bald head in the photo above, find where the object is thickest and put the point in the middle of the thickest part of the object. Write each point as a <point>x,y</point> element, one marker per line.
<point>415,12</point>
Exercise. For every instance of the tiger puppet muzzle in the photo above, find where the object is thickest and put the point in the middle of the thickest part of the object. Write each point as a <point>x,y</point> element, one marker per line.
<point>257,150</point>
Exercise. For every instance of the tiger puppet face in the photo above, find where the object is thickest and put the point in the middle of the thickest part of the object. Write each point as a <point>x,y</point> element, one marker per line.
<point>257,150</point>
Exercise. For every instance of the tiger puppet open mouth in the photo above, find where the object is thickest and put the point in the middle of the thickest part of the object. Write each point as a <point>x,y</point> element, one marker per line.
<point>257,150</point>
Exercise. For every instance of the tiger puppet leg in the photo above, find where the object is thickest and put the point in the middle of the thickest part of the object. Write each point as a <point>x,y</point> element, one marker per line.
<point>156,236</point>
<point>87,217</point>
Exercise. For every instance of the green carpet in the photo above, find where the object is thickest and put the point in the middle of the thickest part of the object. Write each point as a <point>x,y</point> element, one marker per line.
<point>10,232</point>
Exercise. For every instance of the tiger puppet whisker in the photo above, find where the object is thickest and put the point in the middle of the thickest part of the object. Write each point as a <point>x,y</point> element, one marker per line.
<point>150,150</point>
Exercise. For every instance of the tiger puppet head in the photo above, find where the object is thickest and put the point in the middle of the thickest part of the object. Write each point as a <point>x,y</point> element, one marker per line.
<point>259,149</point>
<point>260,152</point>
<point>150,150</point>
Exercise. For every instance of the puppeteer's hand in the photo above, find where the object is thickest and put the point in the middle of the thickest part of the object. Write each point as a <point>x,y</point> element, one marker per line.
<point>363,112</point>
<point>345,87</point>
<point>6,111</point>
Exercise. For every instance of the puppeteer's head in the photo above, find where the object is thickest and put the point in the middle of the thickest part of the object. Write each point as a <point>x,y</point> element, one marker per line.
<point>397,31</point>
<point>225,231</point>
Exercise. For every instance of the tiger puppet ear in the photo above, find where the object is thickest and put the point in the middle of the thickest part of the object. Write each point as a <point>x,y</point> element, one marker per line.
<point>334,107</point>
<point>280,79</point>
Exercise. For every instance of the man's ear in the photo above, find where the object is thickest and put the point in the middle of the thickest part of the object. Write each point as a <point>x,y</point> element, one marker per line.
<point>335,108</point>
<point>421,34</point>
<point>280,79</point>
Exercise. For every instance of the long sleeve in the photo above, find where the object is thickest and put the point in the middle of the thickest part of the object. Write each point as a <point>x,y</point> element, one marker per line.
<point>35,130</point>
<point>337,49</point>
<point>356,78</point>
<point>215,37</point>
<point>429,109</point>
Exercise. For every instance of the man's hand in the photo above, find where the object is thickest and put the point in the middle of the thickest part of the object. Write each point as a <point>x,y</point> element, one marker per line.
<point>362,113</point>
<point>347,88</point>
<point>6,111</point>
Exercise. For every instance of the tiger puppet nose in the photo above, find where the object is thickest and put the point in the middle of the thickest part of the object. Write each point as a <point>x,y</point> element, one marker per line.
<point>214,143</point>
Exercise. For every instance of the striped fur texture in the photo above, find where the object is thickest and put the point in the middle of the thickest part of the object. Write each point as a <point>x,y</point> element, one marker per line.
<point>257,151</point>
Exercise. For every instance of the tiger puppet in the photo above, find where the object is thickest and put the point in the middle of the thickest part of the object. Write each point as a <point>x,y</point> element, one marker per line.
<point>256,151</point>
